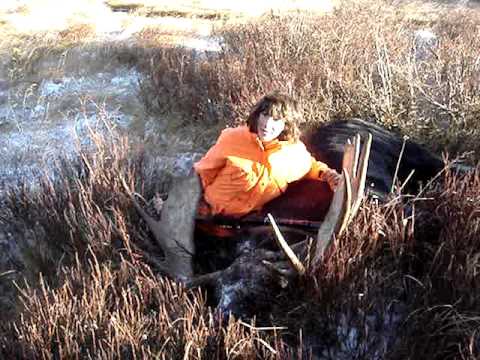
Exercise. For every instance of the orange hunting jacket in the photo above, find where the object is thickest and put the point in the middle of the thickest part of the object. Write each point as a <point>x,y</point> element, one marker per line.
<point>240,173</point>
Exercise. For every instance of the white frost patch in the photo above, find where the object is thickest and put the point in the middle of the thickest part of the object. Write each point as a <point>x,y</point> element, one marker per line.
<point>203,44</point>
<point>373,339</point>
<point>228,295</point>
<point>49,88</point>
<point>425,42</point>
<point>31,151</point>
<point>46,104</point>
<point>123,81</point>
<point>179,164</point>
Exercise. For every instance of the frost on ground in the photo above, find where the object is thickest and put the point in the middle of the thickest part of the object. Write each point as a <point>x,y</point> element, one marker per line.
<point>48,114</point>
<point>48,122</point>
<point>40,116</point>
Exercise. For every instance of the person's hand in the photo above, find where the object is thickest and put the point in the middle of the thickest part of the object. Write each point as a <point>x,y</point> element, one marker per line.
<point>331,177</point>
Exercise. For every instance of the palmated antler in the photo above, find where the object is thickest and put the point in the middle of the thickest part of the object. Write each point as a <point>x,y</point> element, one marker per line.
<point>174,232</point>
<point>344,206</point>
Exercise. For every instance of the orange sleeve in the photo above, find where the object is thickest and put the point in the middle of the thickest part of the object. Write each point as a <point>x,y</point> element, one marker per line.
<point>317,168</point>
<point>240,173</point>
<point>212,162</point>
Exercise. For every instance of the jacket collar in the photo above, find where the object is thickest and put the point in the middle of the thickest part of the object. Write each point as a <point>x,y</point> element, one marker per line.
<point>265,145</point>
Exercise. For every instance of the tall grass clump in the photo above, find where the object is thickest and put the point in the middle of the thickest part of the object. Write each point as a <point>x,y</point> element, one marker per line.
<point>445,314</point>
<point>76,206</point>
<point>127,312</point>
<point>361,61</point>
<point>402,282</point>
<point>89,287</point>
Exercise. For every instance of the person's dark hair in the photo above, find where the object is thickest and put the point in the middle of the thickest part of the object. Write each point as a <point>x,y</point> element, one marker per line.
<point>279,106</point>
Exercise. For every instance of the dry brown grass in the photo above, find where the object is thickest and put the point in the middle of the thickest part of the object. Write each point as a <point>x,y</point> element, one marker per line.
<point>214,10</point>
<point>358,61</point>
<point>406,285</point>
<point>89,290</point>
<point>77,208</point>
<point>125,311</point>
<point>99,295</point>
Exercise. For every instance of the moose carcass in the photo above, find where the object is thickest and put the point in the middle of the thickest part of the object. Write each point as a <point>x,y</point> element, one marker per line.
<point>309,199</point>
<point>255,269</point>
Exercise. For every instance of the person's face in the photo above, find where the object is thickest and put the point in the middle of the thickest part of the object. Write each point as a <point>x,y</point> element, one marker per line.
<point>269,128</point>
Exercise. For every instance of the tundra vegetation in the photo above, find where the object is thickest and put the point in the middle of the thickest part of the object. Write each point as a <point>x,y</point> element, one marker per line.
<point>86,284</point>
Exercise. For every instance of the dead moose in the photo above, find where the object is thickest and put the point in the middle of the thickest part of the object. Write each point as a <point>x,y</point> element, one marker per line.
<point>368,157</point>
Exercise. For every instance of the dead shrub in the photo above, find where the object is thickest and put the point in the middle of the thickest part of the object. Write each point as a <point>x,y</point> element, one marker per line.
<point>358,62</point>
<point>77,33</point>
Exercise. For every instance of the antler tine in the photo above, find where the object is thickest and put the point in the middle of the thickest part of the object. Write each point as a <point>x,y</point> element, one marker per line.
<point>359,182</point>
<point>347,204</point>
<point>349,163</point>
<point>329,225</point>
<point>356,145</point>
<point>152,224</point>
<point>348,160</point>
<point>293,259</point>
<point>347,197</point>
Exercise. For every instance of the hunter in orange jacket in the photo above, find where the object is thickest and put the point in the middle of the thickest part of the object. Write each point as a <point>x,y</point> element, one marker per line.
<point>245,169</point>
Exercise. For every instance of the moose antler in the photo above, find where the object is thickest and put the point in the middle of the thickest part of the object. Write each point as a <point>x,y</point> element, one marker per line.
<point>294,260</point>
<point>347,198</point>
<point>344,206</point>
<point>174,232</point>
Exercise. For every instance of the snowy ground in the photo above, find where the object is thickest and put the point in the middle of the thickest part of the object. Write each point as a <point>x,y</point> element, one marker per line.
<point>46,115</point>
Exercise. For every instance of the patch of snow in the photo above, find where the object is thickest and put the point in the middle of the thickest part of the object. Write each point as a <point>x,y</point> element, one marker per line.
<point>425,42</point>
<point>228,294</point>
<point>123,80</point>
<point>371,340</point>
<point>5,113</point>
<point>347,334</point>
<point>50,88</point>
<point>203,44</point>
<point>29,143</point>
<point>178,164</point>
<point>34,150</point>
